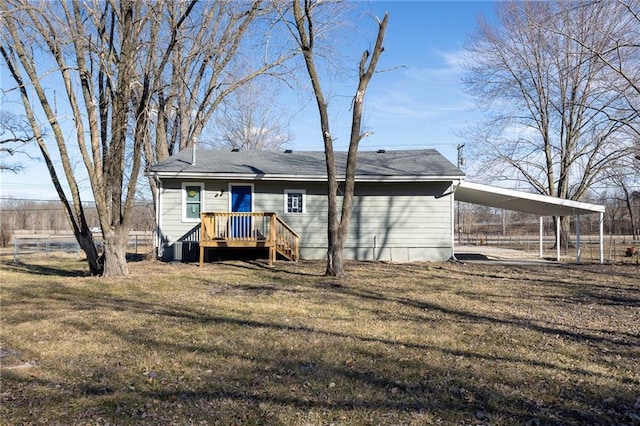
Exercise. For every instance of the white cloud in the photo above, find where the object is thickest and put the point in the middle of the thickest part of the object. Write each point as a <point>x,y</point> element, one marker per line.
<point>424,92</point>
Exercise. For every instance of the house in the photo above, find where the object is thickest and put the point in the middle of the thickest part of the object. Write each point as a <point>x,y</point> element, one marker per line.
<point>216,200</point>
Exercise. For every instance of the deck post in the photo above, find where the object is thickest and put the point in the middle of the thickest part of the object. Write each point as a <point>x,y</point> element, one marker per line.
<point>203,234</point>
<point>272,237</point>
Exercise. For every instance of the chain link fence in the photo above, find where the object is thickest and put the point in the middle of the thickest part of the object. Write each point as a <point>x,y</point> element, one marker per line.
<point>50,245</point>
<point>617,248</point>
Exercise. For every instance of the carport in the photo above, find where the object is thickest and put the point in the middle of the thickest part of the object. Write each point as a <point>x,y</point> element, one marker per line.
<point>542,205</point>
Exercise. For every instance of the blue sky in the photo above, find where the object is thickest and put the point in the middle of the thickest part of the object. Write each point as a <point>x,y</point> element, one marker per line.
<point>418,103</point>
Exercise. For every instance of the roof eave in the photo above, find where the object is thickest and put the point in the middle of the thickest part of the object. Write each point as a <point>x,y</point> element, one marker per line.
<point>297,178</point>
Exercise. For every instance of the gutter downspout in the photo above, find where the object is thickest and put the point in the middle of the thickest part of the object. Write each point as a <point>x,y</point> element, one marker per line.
<point>454,186</point>
<point>158,216</point>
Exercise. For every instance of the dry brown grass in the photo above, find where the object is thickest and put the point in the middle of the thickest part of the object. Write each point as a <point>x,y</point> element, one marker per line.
<point>393,344</point>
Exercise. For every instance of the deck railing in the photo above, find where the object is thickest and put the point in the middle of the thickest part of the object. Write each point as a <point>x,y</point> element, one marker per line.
<point>255,229</point>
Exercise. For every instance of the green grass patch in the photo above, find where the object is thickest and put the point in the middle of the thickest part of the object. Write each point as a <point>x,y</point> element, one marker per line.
<point>241,342</point>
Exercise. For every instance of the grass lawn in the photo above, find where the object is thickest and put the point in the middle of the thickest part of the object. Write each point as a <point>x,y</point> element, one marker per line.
<point>234,342</point>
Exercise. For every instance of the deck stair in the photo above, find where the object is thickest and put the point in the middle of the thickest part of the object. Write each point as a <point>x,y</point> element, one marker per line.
<point>248,230</point>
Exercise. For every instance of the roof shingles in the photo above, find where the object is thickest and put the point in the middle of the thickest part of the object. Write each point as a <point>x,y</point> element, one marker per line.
<point>426,164</point>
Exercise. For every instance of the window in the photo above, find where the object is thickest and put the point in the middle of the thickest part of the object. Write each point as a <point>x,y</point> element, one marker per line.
<point>294,201</point>
<point>192,201</point>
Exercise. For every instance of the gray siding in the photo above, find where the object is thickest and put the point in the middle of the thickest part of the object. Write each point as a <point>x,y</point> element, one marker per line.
<point>390,221</point>
<point>172,228</point>
<point>401,222</point>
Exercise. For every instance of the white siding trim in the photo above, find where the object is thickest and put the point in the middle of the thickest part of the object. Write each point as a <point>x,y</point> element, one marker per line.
<point>159,216</point>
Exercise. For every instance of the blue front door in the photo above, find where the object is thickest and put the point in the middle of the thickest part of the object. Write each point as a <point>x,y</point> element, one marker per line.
<point>241,202</point>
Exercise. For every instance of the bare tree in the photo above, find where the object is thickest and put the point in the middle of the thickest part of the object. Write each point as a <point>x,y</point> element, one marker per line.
<point>622,58</point>
<point>139,79</point>
<point>250,118</point>
<point>224,47</point>
<point>548,103</point>
<point>625,179</point>
<point>15,133</point>
<point>304,31</point>
<point>100,56</point>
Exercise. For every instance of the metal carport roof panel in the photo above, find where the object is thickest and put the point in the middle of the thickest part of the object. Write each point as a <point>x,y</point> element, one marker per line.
<point>525,202</point>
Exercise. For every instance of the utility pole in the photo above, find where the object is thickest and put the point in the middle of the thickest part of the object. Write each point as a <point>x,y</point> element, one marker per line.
<point>460,164</point>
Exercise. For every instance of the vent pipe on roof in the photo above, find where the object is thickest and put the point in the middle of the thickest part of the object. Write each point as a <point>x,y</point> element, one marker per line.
<point>193,152</point>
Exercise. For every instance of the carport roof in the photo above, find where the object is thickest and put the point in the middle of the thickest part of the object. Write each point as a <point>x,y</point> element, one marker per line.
<point>525,202</point>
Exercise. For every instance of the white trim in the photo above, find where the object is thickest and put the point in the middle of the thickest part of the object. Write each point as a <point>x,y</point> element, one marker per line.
<point>159,216</point>
<point>183,205</point>
<point>578,252</point>
<point>601,239</point>
<point>558,232</point>
<point>298,178</point>
<point>541,237</point>
<point>231,184</point>
<point>286,201</point>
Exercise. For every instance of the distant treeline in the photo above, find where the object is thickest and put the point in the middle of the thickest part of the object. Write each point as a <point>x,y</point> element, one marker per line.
<point>38,215</point>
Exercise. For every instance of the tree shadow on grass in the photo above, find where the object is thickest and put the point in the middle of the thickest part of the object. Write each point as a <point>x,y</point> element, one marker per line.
<point>578,288</point>
<point>290,268</point>
<point>379,387</point>
<point>42,269</point>
<point>395,384</point>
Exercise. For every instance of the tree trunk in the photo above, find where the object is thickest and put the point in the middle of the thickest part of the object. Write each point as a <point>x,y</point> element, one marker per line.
<point>114,256</point>
<point>335,266</point>
<point>85,240</point>
<point>628,198</point>
<point>334,250</point>
<point>337,230</point>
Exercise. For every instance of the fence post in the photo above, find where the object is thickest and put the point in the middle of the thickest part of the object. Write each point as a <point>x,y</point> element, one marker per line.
<point>15,249</point>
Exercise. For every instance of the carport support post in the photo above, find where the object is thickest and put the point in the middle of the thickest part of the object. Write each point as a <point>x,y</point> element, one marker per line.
<point>601,238</point>
<point>578,239</point>
<point>557,238</point>
<point>541,237</point>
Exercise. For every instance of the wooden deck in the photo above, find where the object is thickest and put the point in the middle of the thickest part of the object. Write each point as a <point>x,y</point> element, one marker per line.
<point>248,230</point>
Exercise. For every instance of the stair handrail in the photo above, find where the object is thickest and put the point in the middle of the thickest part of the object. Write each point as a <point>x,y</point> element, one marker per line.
<point>286,225</point>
